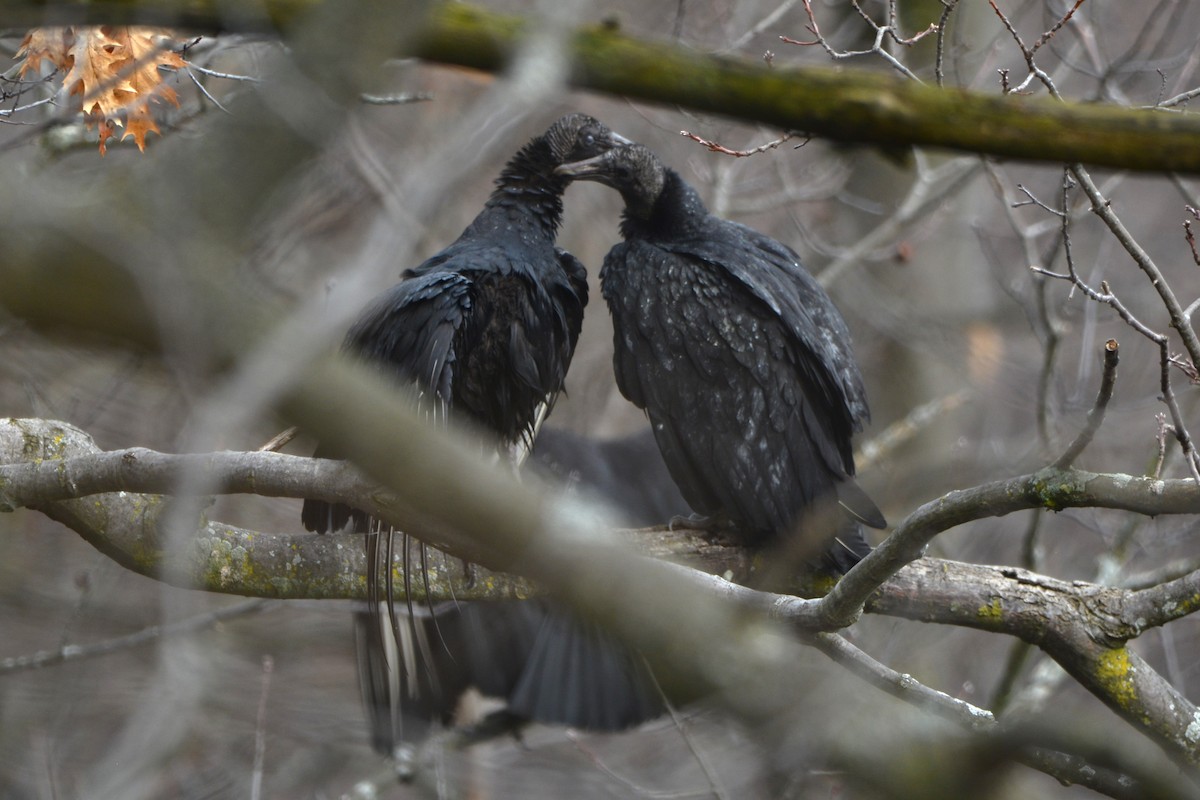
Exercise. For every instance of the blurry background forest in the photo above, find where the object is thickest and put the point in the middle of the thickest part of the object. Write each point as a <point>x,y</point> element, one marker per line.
<point>927,254</point>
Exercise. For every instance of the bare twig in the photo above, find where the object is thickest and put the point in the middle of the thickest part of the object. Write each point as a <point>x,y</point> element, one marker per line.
<point>931,189</point>
<point>767,21</point>
<point>204,90</point>
<point>1054,29</point>
<point>943,25</point>
<point>1095,416</point>
<point>1191,240</point>
<point>260,730</point>
<point>771,145</point>
<point>76,652</point>
<point>227,76</point>
<point>279,440</point>
<point>880,446</point>
<point>8,112</point>
<point>903,686</point>
<point>1166,360</point>
<point>1029,51</point>
<point>1164,428</point>
<point>1103,209</point>
<point>404,98</point>
<point>887,32</point>
<point>1178,100</point>
<point>1033,200</point>
<point>1164,574</point>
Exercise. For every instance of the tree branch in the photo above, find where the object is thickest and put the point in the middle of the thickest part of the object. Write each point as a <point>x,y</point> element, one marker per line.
<point>845,105</point>
<point>1082,626</point>
<point>69,466</point>
<point>904,686</point>
<point>1050,488</point>
<point>153,633</point>
<point>45,464</point>
<point>1095,417</point>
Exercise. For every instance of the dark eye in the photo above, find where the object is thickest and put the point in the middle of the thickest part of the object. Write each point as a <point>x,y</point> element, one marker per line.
<point>589,139</point>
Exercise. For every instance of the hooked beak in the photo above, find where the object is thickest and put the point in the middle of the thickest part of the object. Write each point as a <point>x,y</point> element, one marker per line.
<point>583,169</point>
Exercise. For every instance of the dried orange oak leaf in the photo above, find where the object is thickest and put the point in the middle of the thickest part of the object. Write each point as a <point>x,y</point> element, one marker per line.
<point>112,69</point>
<point>51,44</point>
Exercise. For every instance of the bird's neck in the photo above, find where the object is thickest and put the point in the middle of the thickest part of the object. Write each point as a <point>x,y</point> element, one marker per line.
<point>527,191</point>
<point>674,212</point>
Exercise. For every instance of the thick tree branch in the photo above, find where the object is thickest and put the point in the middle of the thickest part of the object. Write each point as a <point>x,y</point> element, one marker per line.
<point>1051,489</point>
<point>69,467</point>
<point>1062,763</point>
<point>44,464</point>
<point>123,510</point>
<point>1083,626</point>
<point>845,105</point>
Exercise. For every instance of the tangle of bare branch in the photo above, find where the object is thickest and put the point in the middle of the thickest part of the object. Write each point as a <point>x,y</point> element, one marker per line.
<point>889,32</point>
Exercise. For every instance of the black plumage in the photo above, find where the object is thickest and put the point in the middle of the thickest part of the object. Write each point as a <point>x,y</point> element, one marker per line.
<point>740,359</point>
<point>485,331</point>
<point>486,328</point>
<point>539,658</point>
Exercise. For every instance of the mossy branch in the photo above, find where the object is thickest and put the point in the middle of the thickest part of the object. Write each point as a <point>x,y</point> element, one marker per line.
<point>115,501</point>
<point>855,106</point>
<point>58,469</point>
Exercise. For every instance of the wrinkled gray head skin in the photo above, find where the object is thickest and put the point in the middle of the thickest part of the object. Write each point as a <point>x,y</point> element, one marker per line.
<point>633,170</point>
<point>575,137</point>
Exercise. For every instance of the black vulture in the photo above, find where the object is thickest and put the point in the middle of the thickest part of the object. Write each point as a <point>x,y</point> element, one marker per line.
<point>740,360</point>
<point>485,331</point>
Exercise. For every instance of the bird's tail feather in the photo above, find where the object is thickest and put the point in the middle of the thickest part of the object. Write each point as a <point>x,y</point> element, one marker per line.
<point>544,663</point>
<point>847,549</point>
<point>859,505</point>
<point>578,675</point>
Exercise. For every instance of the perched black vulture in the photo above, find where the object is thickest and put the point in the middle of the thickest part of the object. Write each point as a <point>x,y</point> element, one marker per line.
<point>739,358</point>
<point>485,331</point>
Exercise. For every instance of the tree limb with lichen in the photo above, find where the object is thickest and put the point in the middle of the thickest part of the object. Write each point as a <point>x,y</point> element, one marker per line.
<point>854,106</point>
<point>106,498</point>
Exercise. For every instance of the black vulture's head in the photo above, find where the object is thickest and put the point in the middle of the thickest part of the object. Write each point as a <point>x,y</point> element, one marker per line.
<point>633,170</point>
<point>577,136</point>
